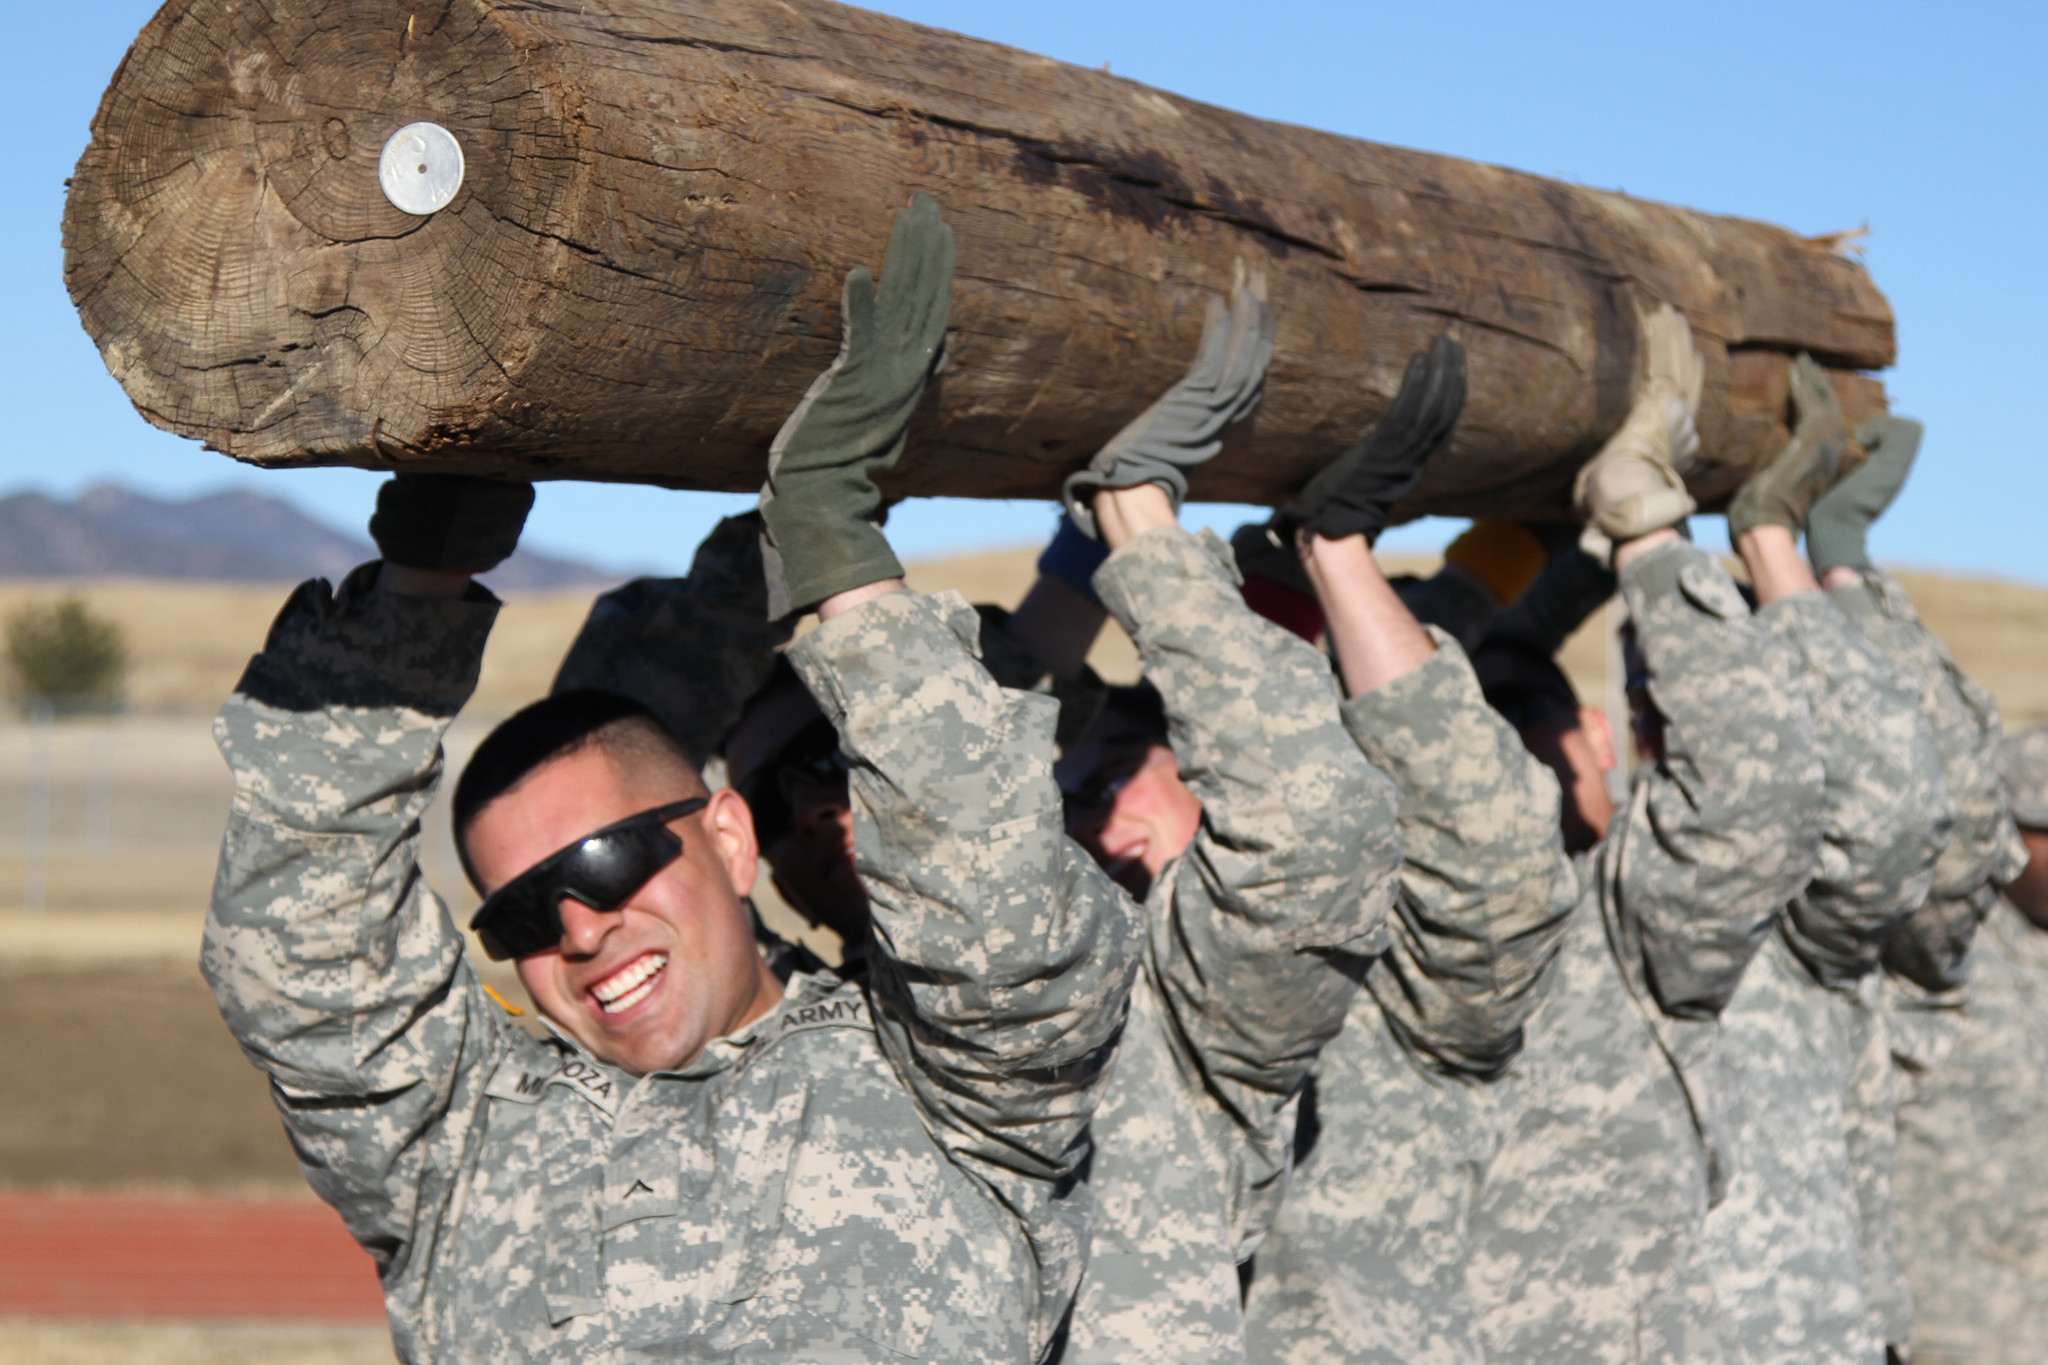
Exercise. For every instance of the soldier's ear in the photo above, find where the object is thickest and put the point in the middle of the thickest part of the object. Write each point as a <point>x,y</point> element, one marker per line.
<point>728,824</point>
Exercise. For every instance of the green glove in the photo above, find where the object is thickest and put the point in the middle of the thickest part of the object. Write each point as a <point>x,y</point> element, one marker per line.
<point>820,501</point>
<point>1836,527</point>
<point>1185,427</point>
<point>450,523</point>
<point>1783,491</point>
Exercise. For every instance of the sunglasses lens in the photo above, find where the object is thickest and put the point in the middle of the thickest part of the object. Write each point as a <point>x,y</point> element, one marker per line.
<point>603,871</point>
<point>606,870</point>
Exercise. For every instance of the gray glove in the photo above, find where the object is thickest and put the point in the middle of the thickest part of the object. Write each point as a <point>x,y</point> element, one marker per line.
<point>820,501</point>
<point>1783,491</point>
<point>450,523</point>
<point>1186,426</point>
<point>1841,519</point>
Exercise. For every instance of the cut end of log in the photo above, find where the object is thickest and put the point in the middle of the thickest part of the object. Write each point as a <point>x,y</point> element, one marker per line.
<point>229,244</point>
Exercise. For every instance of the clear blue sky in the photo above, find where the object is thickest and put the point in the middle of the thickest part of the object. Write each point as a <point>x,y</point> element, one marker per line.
<point>1927,121</point>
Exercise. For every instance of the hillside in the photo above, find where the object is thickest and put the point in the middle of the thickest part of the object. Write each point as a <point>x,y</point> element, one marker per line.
<point>232,537</point>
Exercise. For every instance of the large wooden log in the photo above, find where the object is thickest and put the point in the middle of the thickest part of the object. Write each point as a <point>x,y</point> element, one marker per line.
<point>640,273</point>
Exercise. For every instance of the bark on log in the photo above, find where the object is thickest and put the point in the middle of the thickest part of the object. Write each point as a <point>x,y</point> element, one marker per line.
<point>640,274</point>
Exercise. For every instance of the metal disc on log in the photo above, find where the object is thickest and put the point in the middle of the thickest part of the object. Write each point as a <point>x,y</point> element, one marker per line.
<point>650,206</point>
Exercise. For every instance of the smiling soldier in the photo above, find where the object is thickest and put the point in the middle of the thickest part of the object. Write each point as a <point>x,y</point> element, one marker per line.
<point>697,1163</point>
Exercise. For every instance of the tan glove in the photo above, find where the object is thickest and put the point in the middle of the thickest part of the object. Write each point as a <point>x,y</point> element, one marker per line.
<point>1632,487</point>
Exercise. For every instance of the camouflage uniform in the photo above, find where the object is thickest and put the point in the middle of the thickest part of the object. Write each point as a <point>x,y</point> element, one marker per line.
<point>1786,1245</point>
<point>1587,1228</point>
<point>864,1173</point>
<point>1945,1107</point>
<point>1973,1163</point>
<point>1367,1260</point>
<point>1293,865</point>
<point>1922,987</point>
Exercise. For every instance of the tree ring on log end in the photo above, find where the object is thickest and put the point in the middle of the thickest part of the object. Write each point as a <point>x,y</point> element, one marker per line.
<point>239,259</point>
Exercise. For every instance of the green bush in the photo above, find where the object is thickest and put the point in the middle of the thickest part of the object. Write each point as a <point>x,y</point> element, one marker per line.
<point>65,656</point>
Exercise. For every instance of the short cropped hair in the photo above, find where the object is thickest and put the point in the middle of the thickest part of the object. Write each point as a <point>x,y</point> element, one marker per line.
<point>1526,687</point>
<point>556,727</point>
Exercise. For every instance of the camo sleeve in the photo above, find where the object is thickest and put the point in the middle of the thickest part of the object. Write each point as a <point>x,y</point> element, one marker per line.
<point>1888,813</point>
<point>1295,857</point>
<point>692,650</point>
<point>1486,887</point>
<point>1003,957</point>
<point>334,965</point>
<point>1725,828</point>
<point>1985,851</point>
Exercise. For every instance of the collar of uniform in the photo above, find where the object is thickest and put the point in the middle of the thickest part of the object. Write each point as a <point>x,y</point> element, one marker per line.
<point>806,1003</point>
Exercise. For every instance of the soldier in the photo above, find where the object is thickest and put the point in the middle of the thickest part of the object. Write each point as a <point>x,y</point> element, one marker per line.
<point>697,652</point>
<point>1786,1245</point>
<point>697,1163</point>
<point>1938,999</point>
<point>1273,854</point>
<point>1367,1259</point>
<point>1972,1166</point>
<point>1586,1229</point>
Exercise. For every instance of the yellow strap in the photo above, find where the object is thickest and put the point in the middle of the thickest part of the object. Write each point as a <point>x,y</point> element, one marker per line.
<point>503,1003</point>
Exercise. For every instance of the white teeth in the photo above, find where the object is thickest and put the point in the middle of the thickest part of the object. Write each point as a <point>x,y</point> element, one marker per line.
<point>629,999</point>
<point>631,986</point>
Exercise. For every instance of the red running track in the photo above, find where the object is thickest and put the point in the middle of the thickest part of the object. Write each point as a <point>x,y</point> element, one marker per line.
<point>120,1256</point>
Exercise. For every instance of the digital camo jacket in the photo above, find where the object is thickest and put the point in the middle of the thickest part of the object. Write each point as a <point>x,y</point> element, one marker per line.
<point>1925,985</point>
<point>1367,1261</point>
<point>1786,1245</point>
<point>1973,1166</point>
<point>1293,865</point>
<point>1587,1229</point>
<point>861,1174</point>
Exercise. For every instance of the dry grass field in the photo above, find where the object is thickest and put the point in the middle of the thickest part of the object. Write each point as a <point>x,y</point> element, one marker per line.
<point>122,1076</point>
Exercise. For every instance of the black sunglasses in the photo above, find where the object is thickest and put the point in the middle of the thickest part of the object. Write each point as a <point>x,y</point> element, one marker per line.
<point>601,870</point>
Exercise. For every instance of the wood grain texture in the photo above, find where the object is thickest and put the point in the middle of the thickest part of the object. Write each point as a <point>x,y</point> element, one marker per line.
<point>641,272</point>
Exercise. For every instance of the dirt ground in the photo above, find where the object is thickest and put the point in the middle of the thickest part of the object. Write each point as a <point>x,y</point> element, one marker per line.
<point>125,1077</point>
<point>46,1343</point>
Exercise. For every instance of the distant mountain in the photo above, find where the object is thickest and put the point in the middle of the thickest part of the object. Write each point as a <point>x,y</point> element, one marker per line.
<point>233,537</point>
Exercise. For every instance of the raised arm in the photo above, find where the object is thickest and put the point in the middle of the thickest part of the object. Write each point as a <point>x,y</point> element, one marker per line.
<point>1985,852</point>
<point>333,963</point>
<point>1002,959</point>
<point>1294,859</point>
<point>1290,858</point>
<point>1723,822</point>
<point>1888,810</point>
<point>1484,886</point>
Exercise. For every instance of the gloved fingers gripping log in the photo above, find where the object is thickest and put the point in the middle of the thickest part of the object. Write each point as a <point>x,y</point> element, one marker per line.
<point>1186,426</point>
<point>1355,493</point>
<point>820,499</point>
<point>435,532</point>
<point>1838,526</point>
<point>449,523</point>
